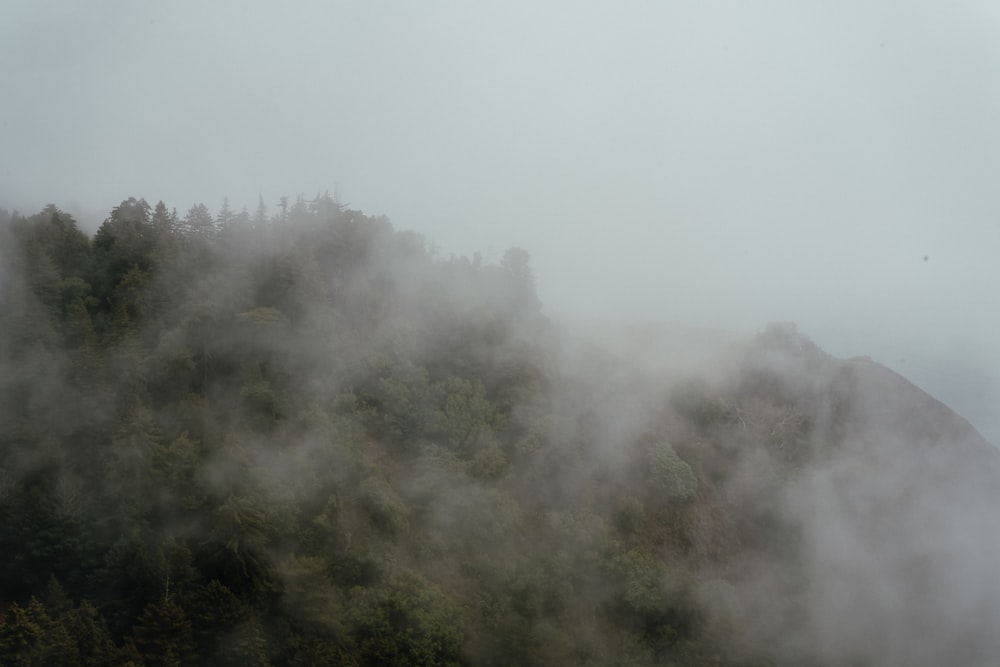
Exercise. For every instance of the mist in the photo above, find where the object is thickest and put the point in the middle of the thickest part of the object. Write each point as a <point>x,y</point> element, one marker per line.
<point>713,165</point>
<point>611,206</point>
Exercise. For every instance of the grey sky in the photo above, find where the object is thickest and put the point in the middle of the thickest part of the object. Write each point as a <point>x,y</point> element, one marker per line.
<point>723,164</point>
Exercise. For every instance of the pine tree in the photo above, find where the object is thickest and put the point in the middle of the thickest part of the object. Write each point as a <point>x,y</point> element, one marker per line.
<point>199,222</point>
<point>163,636</point>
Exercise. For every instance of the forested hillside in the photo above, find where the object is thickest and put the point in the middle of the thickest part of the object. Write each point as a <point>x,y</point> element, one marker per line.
<point>301,438</point>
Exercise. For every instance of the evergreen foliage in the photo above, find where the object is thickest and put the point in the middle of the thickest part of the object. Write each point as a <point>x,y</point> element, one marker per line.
<point>301,439</point>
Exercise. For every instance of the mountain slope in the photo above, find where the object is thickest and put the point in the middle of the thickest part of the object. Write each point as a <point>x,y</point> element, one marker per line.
<point>302,439</point>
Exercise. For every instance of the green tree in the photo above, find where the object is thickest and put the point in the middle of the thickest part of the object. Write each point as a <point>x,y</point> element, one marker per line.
<point>89,631</point>
<point>655,604</point>
<point>672,477</point>
<point>406,622</point>
<point>163,636</point>
<point>30,637</point>
<point>125,245</point>
<point>217,613</point>
<point>182,463</point>
<point>248,646</point>
<point>225,217</point>
<point>22,638</point>
<point>239,535</point>
<point>468,416</point>
<point>199,222</point>
<point>133,453</point>
<point>55,234</point>
<point>164,221</point>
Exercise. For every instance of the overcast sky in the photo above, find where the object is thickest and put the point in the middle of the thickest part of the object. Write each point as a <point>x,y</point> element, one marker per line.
<point>834,164</point>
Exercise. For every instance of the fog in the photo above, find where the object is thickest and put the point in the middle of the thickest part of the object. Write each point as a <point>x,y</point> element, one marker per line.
<point>717,164</point>
<point>708,163</point>
<point>682,174</point>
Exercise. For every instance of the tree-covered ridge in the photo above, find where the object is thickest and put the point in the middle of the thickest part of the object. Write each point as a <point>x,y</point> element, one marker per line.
<point>302,439</point>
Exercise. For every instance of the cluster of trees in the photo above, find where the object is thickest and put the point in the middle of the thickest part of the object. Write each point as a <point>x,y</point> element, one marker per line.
<point>301,439</point>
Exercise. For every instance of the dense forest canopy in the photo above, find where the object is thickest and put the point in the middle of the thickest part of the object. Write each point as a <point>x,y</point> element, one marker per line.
<point>300,438</point>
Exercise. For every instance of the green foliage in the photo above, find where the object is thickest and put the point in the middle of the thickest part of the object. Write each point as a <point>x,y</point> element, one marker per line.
<point>163,636</point>
<point>247,646</point>
<point>402,395</point>
<point>672,477</point>
<point>631,516</point>
<point>655,604</point>
<point>468,416</point>
<point>181,463</point>
<point>406,622</point>
<point>489,463</point>
<point>301,439</point>
<point>30,637</point>
<point>90,631</point>
<point>133,452</point>
<point>385,510</point>
<point>21,637</point>
<point>239,535</point>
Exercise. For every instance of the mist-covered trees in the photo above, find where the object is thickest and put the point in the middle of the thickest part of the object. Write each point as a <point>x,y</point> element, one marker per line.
<point>300,439</point>
<point>195,405</point>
